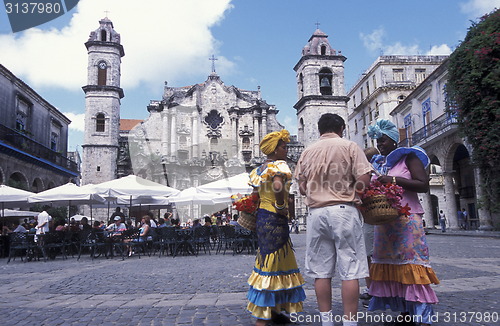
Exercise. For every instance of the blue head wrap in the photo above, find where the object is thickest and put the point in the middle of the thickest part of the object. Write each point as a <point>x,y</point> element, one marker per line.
<point>384,127</point>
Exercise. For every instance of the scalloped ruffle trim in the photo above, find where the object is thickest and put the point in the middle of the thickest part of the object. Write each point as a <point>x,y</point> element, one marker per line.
<point>404,274</point>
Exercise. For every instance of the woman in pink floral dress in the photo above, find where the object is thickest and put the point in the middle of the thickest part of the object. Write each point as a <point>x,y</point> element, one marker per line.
<point>401,273</point>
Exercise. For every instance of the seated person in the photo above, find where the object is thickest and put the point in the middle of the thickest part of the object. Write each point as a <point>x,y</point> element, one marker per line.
<point>196,223</point>
<point>234,221</point>
<point>208,221</point>
<point>15,227</point>
<point>143,232</point>
<point>175,223</point>
<point>117,228</point>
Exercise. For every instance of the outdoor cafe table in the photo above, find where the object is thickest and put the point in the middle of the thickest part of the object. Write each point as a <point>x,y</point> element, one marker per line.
<point>184,242</point>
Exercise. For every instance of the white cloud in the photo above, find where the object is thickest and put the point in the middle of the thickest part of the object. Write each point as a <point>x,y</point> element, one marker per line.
<point>477,8</point>
<point>373,41</point>
<point>400,49</point>
<point>442,49</point>
<point>77,121</point>
<point>151,54</point>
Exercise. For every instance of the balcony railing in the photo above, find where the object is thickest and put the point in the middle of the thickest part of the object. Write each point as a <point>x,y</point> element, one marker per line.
<point>435,126</point>
<point>23,143</point>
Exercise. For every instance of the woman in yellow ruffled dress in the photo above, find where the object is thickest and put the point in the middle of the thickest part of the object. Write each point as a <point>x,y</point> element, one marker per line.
<point>275,282</point>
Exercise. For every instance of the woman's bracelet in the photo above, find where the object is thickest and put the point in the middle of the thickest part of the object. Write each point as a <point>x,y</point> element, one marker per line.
<point>279,207</point>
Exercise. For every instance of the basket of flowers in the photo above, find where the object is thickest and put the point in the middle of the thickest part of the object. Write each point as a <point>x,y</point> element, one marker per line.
<point>246,205</point>
<point>382,203</point>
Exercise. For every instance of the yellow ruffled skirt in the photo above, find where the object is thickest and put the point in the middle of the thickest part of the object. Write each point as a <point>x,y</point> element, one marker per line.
<point>275,284</point>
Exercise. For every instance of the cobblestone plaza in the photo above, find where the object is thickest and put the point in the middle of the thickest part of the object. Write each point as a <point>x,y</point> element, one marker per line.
<point>211,289</point>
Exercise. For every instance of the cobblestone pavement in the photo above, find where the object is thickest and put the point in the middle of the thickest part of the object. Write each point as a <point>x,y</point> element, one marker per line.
<point>211,289</point>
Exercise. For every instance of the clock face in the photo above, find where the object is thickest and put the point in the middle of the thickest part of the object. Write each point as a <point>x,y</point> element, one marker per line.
<point>102,65</point>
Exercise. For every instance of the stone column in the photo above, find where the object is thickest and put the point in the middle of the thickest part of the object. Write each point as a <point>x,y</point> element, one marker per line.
<point>195,133</point>
<point>483,215</point>
<point>256,135</point>
<point>234,133</point>
<point>451,203</point>
<point>164,133</point>
<point>173,132</point>
<point>427,205</point>
<point>264,123</point>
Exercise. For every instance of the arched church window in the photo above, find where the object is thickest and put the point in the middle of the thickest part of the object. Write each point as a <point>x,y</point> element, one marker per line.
<point>213,119</point>
<point>103,35</point>
<point>102,71</point>
<point>325,81</point>
<point>100,122</point>
<point>323,50</point>
<point>246,143</point>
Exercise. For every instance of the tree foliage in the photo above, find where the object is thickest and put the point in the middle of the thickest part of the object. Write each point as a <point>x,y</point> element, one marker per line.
<point>473,92</point>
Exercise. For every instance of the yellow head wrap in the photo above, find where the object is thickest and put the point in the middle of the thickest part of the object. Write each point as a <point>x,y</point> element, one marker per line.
<point>270,141</point>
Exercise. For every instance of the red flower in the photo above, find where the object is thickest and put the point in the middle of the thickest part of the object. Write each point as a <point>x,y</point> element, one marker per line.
<point>393,193</point>
<point>246,204</point>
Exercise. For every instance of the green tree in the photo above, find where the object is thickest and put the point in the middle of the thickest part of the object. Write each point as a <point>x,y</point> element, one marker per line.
<point>473,92</point>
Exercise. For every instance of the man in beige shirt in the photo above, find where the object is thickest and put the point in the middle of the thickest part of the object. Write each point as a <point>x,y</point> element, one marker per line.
<point>330,172</point>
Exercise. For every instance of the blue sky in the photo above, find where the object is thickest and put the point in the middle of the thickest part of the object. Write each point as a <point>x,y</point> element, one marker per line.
<point>257,43</point>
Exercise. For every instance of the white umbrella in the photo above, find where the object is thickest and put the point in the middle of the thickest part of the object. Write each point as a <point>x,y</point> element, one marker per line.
<point>68,194</point>
<point>13,197</point>
<point>143,200</point>
<point>191,196</point>
<point>78,217</point>
<point>133,185</point>
<point>16,213</point>
<point>232,185</point>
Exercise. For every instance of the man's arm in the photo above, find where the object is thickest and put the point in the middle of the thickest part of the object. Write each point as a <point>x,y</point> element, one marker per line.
<point>362,182</point>
<point>302,185</point>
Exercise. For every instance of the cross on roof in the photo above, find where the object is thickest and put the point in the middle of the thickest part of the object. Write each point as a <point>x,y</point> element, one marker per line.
<point>213,58</point>
<point>317,25</point>
<point>106,12</point>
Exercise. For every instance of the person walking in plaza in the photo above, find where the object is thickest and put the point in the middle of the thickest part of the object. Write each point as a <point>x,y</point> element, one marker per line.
<point>43,220</point>
<point>442,221</point>
<point>401,272</point>
<point>275,282</point>
<point>330,172</point>
<point>465,219</point>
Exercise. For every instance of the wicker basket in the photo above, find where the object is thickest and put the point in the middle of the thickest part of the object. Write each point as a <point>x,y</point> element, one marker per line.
<point>377,210</point>
<point>248,221</point>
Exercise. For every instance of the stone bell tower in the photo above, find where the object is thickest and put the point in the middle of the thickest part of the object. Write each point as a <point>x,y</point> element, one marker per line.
<point>320,83</point>
<point>102,104</point>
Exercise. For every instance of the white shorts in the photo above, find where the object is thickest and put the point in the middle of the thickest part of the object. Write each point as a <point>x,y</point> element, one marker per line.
<point>335,239</point>
<point>368,232</point>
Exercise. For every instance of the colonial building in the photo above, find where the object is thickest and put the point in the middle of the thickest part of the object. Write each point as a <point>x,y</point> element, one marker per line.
<point>102,104</point>
<point>201,133</point>
<point>382,87</point>
<point>33,139</point>
<point>320,85</point>
<point>193,135</point>
<point>455,181</point>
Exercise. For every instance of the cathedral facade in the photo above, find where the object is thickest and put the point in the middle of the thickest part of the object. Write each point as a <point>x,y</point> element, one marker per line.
<point>201,133</point>
<point>193,134</point>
